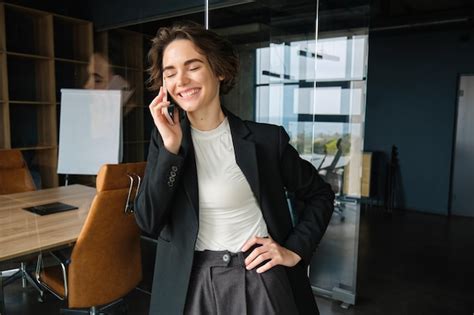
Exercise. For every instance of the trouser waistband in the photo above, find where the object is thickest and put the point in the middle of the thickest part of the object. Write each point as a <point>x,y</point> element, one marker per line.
<point>224,258</point>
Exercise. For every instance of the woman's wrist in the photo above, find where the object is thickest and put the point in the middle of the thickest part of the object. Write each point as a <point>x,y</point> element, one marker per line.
<point>172,148</point>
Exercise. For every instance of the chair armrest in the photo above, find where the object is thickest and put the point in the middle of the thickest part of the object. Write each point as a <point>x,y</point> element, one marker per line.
<point>63,262</point>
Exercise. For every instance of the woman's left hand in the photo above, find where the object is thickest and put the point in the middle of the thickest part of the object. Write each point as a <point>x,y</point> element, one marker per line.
<point>269,250</point>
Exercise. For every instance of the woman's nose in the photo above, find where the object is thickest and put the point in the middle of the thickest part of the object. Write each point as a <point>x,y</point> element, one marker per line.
<point>181,78</point>
<point>90,83</point>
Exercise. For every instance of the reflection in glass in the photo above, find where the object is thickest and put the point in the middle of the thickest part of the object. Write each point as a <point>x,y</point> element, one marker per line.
<point>317,118</point>
<point>316,90</point>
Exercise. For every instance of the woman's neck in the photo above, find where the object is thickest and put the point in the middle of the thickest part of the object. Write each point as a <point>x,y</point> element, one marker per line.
<point>206,119</point>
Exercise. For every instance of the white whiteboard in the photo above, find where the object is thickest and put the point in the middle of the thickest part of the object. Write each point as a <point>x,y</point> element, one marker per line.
<point>90,130</point>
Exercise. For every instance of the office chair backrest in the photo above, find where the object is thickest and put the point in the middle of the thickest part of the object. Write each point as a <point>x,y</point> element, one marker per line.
<point>14,174</point>
<point>330,173</point>
<point>106,259</point>
<point>337,156</point>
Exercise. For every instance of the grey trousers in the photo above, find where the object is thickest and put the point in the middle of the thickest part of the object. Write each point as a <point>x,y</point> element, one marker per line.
<point>221,285</point>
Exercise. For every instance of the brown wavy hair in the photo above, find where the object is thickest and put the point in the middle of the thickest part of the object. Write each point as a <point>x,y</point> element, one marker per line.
<point>219,52</point>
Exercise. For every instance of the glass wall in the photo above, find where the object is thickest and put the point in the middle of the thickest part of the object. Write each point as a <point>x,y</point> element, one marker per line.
<point>304,67</point>
<point>335,146</point>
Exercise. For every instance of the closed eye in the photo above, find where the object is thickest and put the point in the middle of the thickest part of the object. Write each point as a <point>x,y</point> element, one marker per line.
<point>98,78</point>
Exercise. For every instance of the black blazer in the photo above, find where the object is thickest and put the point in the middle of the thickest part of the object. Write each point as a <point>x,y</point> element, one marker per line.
<point>167,205</point>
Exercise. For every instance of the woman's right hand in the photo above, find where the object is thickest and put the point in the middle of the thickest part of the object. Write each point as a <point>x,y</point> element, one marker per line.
<point>169,129</point>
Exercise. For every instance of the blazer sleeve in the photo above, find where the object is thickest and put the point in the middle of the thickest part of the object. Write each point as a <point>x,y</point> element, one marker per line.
<point>302,180</point>
<point>162,176</point>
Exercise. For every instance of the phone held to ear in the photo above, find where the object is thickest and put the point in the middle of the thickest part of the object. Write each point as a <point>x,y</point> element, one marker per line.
<point>171,108</point>
<point>172,105</point>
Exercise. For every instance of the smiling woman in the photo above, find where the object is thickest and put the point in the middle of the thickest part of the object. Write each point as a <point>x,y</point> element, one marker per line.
<point>192,83</point>
<point>214,192</point>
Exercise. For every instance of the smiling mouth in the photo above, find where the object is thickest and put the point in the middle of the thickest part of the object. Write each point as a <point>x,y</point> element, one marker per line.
<point>188,93</point>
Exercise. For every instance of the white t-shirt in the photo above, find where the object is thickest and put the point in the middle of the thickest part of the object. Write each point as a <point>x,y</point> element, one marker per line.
<point>229,214</point>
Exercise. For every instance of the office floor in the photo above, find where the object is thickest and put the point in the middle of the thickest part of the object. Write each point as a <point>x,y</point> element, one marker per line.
<point>409,263</point>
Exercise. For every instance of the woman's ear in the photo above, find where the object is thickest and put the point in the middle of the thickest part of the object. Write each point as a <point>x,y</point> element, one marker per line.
<point>221,78</point>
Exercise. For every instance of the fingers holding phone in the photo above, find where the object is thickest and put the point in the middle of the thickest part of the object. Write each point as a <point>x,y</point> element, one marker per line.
<point>166,105</point>
<point>168,127</point>
<point>169,111</point>
<point>156,107</point>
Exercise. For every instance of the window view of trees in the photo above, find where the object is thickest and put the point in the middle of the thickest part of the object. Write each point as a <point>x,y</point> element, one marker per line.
<point>316,90</point>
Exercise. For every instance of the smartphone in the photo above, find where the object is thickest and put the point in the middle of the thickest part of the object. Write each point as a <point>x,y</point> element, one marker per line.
<point>172,104</point>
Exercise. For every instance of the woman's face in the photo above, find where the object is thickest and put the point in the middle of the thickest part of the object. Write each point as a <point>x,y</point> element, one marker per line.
<point>99,73</point>
<point>189,77</point>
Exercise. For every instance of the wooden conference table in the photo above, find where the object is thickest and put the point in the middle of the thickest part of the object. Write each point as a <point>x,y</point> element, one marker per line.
<point>23,233</point>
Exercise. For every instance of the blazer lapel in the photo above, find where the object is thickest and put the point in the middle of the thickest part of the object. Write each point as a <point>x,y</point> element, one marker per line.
<point>245,152</point>
<point>190,173</point>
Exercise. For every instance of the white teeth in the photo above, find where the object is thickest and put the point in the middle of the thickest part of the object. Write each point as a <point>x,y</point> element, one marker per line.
<point>189,93</point>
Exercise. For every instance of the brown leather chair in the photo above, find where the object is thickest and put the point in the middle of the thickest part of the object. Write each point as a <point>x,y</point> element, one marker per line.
<point>105,263</point>
<point>14,174</point>
<point>15,178</point>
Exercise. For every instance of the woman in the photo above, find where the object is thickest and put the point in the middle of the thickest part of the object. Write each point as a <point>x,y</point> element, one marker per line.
<point>101,76</point>
<point>215,192</point>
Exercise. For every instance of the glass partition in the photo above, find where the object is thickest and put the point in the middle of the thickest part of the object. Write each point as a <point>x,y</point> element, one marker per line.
<point>304,67</point>
<point>337,144</point>
<point>337,141</point>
